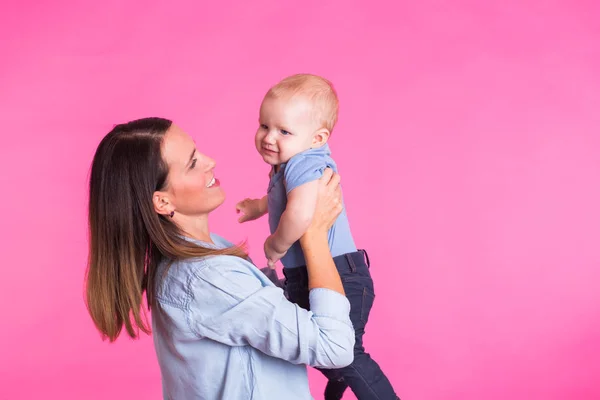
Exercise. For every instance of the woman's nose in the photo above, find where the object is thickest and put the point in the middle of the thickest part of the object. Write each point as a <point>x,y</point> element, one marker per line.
<point>210,164</point>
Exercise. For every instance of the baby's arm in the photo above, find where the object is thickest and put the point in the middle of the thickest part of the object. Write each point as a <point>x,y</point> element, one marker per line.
<point>294,221</point>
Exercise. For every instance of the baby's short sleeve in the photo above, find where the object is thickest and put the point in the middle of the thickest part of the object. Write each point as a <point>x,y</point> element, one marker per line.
<point>303,168</point>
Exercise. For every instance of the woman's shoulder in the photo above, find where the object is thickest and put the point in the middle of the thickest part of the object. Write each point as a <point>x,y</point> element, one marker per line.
<point>183,277</point>
<point>220,241</point>
<point>197,266</point>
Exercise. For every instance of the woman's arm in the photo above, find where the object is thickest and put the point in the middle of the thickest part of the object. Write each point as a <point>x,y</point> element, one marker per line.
<point>230,304</point>
<point>322,272</point>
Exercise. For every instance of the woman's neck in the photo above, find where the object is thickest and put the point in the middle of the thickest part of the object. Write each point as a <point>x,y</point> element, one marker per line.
<point>195,227</point>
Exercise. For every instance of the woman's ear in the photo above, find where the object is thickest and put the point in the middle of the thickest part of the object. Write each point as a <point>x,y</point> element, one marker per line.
<point>162,203</point>
<point>320,138</point>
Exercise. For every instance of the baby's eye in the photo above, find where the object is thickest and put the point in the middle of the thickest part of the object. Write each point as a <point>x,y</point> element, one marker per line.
<point>263,126</point>
<point>284,132</point>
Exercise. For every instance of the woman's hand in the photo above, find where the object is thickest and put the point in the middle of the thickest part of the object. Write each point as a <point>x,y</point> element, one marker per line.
<point>329,202</point>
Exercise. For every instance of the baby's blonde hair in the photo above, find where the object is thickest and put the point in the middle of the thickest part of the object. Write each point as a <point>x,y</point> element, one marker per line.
<point>317,90</point>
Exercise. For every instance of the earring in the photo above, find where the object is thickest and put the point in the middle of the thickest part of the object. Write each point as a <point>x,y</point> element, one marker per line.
<point>172,214</point>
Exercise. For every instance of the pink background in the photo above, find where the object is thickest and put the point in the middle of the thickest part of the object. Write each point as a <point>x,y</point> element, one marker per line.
<point>469,142</point>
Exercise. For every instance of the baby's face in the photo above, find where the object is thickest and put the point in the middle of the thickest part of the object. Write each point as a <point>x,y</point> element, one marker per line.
<point>286,128</point>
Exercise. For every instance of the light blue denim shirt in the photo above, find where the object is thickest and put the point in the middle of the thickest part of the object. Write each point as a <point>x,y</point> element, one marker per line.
<point>222,330</point>
<point>303,168</point>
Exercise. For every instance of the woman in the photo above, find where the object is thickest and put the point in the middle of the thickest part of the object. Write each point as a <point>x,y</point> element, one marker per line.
<point>222,330</point>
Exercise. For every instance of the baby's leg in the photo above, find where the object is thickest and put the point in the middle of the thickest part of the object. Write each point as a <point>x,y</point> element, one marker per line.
<point>336,385</point>
<point>273,277</point>
<point>296,286</point>
<point>364,376</point>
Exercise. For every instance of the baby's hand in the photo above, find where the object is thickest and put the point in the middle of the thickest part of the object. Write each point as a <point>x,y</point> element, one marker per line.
<point>251,209</point>
<point>271,254</point>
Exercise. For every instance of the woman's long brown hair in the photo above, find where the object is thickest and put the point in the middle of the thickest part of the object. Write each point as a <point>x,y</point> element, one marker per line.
<point>128,239</point>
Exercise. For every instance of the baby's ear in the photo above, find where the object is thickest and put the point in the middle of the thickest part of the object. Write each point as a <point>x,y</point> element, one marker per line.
<point>321,137</point>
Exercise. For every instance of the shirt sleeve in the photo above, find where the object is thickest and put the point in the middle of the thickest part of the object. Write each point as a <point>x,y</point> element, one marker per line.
<point>231,305</point>
<point>302,169</point>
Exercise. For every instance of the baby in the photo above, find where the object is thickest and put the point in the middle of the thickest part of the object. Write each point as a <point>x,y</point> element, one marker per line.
<point>297,117</point>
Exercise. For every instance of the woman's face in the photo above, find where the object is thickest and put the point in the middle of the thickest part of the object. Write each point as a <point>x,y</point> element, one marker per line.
<point>192,188</point>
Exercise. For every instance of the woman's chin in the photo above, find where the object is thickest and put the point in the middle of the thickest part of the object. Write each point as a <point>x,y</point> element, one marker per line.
<point>215,201</point>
